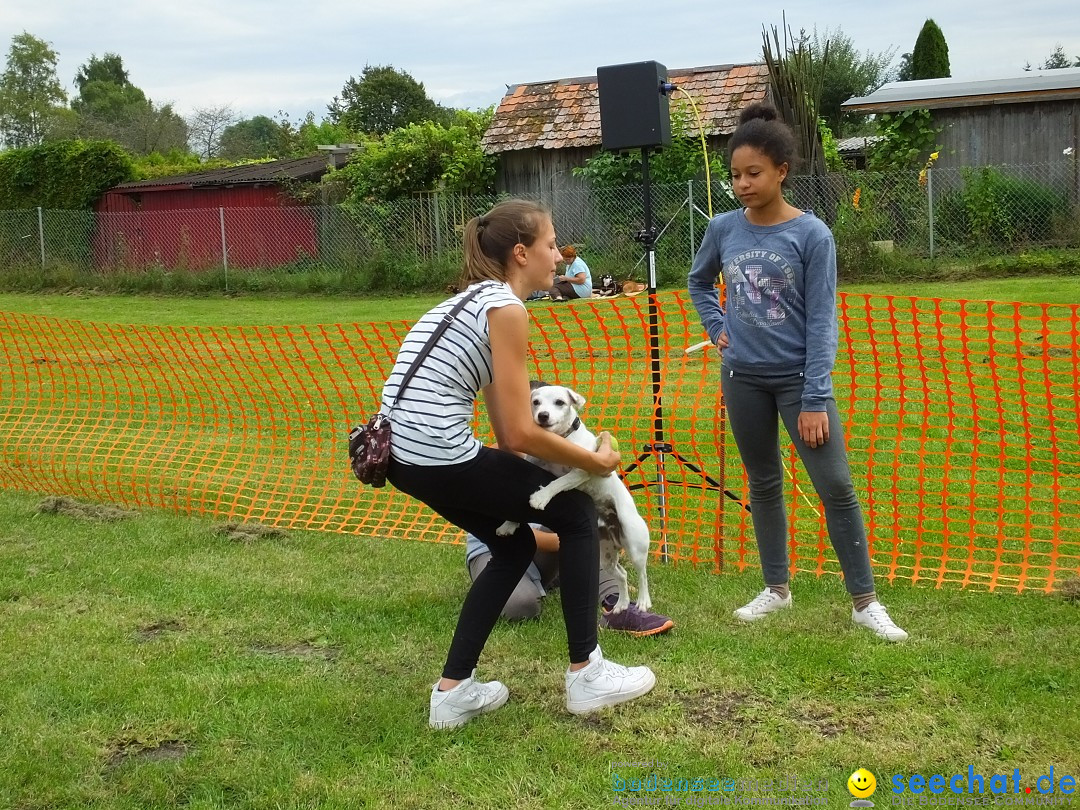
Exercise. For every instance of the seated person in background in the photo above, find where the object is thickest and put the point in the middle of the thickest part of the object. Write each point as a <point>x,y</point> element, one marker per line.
<point>543,575</point>
<point>576,281</point>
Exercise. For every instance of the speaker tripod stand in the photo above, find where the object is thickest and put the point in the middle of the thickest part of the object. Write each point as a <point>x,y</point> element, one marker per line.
<point>660,449</point>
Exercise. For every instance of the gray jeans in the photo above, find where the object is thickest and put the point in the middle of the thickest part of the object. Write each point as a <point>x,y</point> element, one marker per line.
<point>753,403</point>
<point>525,601</point>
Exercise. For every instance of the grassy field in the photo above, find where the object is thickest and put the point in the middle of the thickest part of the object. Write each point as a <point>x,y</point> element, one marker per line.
<point>275,309</point>
<point>153,662</point>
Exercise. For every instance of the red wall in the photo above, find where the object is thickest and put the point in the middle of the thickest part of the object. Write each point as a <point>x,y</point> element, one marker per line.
<point>181,228</point>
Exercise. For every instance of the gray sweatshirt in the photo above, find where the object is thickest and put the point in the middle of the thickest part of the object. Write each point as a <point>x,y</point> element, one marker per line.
<point>781,298</point>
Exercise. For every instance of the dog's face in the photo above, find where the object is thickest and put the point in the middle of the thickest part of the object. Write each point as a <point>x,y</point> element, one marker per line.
<point>554,407</point>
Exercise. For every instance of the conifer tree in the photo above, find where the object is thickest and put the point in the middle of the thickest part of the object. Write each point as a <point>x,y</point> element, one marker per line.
<point>930,57</point>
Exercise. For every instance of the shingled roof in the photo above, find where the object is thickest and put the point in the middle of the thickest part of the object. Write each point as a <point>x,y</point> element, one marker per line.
<point>566,112</point>
<point>306,168</point>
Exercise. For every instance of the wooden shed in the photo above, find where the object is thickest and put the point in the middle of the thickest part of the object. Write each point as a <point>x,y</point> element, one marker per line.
<point>543,130</point>
<point>243,215</point>
<point>1032,119</point>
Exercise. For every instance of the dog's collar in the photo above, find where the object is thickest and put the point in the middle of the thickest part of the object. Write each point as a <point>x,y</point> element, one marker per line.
<point>576,424</point>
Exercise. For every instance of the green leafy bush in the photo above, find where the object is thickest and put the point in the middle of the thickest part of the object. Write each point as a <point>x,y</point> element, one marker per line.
<point>421,157</point>
<point>830,147</point>
<point>859,223</point>
<point>678,162</point>
<point>907,139</point>
<point>994,211</point>
<point>62,175</point>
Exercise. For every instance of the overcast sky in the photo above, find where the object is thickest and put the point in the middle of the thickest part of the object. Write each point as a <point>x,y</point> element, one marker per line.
<point>262,57</point>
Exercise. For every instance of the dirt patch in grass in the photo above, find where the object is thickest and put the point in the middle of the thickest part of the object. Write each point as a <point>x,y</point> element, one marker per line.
<point>121,751</point>
<point>1069,589</point>
<point>828,721</point>
<point>301,649</point>
<point>99,512</point>
<point>247,532</point>
<point>597,721</point>
<point>155,630</point>
<point>712,707</point>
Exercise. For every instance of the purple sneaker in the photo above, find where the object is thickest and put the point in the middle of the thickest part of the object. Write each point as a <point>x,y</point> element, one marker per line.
<point>633,620</point>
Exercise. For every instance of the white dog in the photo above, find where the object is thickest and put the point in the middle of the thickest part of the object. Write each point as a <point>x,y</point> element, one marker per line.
<point>555,408</point>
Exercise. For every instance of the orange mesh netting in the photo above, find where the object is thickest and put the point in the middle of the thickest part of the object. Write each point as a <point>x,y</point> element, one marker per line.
<point>962,427</point>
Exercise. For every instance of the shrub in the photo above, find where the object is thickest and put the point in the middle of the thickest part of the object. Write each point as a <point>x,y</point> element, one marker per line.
<point>859,223</point>
<point>996,211</point>
<point>61,175</point>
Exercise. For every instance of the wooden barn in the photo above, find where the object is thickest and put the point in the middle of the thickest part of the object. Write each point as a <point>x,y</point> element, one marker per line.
<point>542,131</point>
<point>242,215</point>
<point>1028,120</point>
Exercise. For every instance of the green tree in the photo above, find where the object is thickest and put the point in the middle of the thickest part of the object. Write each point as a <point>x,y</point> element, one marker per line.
<point>110,107</point>
<point>678,162</point>
<point>848,73</point>
<point>106,94</point>
<point>109,68</point>
<point>903,73</point>
<point>421,157</point>
<point>385,99</point>
<point>930,57</point>
<point>30,92</point>
<point>257,137</point>
<point>307,136</point>
<point>154,129</point>
<point>1058,60</point>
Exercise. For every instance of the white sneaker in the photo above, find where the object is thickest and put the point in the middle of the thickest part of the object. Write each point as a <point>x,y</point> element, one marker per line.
<point>466,700</point>
<point>604,683</point>
<point>877,619</point>
<point>762,605</point>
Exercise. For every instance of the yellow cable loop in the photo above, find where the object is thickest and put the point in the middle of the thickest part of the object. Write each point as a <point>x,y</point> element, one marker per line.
<point>704,148</point>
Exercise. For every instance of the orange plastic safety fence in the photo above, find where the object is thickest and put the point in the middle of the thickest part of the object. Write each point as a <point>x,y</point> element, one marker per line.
<point>961,418</point>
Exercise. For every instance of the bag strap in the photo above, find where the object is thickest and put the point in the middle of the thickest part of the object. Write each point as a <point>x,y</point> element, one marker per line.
<point>447,319</point>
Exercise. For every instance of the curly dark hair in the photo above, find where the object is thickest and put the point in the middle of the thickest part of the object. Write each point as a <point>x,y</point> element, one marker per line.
<point>760,127</point>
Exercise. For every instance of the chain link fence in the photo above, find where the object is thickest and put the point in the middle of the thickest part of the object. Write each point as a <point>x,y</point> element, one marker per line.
<point>416,242</point>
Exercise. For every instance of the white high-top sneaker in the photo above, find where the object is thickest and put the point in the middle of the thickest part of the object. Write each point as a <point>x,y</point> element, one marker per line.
<point>469,698</point>
<point>604,683</point>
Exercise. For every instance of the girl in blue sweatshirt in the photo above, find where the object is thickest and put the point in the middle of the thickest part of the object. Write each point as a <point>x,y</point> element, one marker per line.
<point>777,339</point>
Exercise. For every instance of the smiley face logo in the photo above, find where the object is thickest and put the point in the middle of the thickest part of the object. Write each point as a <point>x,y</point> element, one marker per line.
<point>862,784</point>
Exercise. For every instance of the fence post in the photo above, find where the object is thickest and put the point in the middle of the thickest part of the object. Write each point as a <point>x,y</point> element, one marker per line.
<point>930,206</point>
<point>438,227</point>
<point>690,211</point>
<point>224,247</point>
<point>41,237</point>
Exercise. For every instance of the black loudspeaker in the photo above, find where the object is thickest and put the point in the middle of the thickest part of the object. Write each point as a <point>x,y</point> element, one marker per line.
<point>633,111</point>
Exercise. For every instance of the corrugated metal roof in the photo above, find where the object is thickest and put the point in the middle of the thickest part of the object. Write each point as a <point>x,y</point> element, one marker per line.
<point>305,168</point>
<point>1035,85</point>
<point>858,143</point>
<point>566,112</point>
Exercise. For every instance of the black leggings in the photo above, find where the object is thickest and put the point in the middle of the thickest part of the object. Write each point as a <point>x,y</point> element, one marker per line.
<point>477,496</point>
